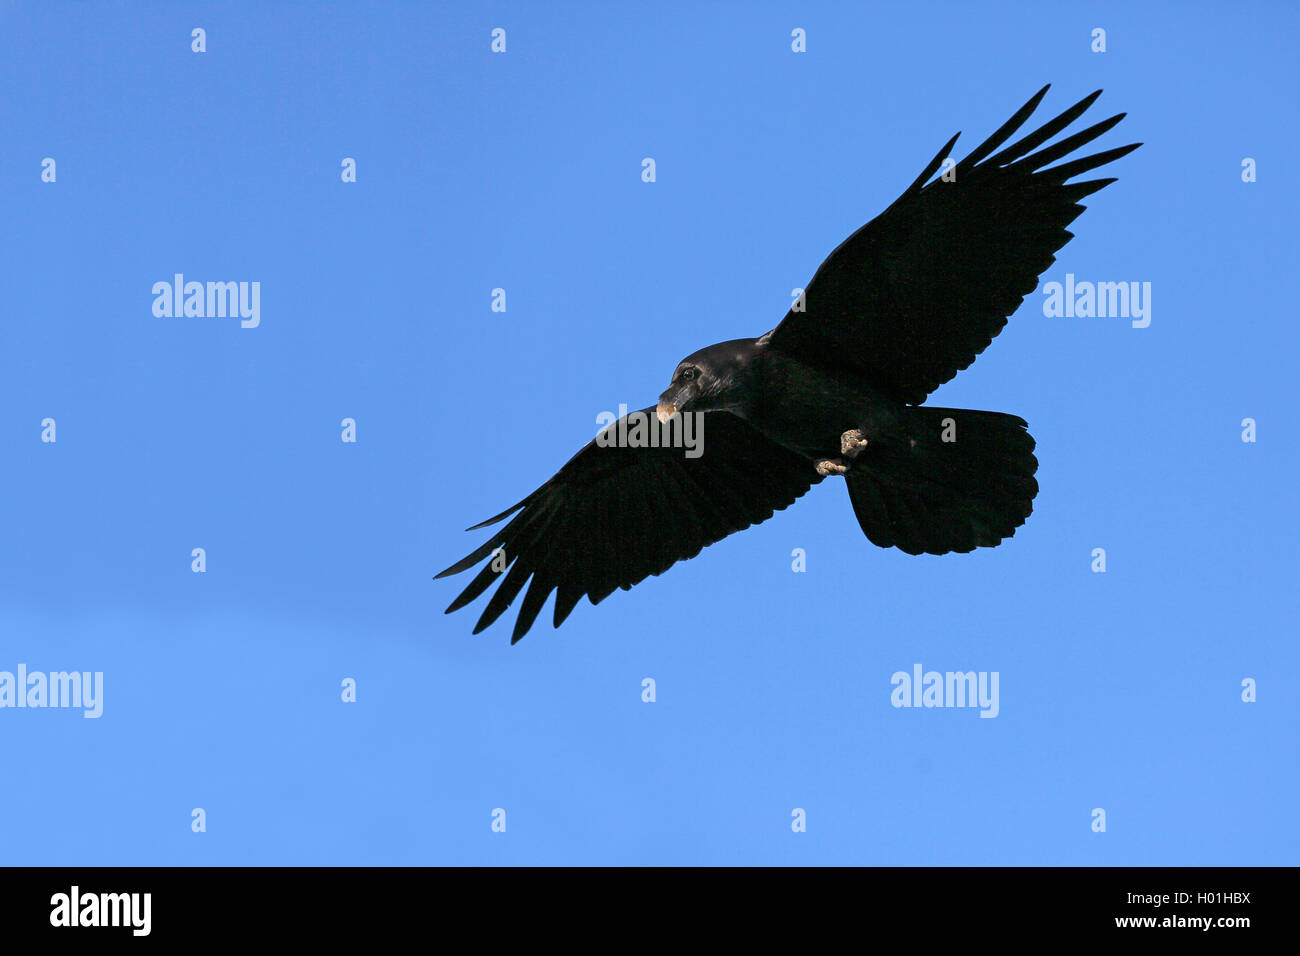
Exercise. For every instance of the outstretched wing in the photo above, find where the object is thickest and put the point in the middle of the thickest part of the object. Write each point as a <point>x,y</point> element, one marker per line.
<point>913,296</point>
<point>617,513</point>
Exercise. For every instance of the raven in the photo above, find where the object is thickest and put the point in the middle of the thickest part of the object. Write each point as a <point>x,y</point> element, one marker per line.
<point>836,388</point>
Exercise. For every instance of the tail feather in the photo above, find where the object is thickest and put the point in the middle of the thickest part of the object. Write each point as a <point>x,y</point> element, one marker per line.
<point>960,480</point>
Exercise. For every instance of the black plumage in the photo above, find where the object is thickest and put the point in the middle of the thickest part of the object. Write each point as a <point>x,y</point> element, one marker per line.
<point>836,388</point>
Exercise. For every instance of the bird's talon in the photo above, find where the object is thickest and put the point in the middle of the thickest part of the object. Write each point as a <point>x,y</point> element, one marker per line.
<point>831,466</point>
<point>852,443</point>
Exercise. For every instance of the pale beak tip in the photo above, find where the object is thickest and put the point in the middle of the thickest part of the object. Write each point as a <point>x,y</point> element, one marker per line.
<point>665,412</point>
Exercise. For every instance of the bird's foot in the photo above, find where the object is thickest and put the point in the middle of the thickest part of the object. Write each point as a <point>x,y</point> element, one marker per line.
<point>831,466</point>
<point>852,443</point>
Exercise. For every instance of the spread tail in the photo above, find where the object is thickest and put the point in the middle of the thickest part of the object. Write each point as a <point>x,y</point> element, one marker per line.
<point>960,480</point>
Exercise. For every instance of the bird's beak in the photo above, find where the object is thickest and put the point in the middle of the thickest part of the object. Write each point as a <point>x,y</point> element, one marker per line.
<point>665,411</point>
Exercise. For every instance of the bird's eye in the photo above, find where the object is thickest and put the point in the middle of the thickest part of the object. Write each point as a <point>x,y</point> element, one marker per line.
<point>688,373</point>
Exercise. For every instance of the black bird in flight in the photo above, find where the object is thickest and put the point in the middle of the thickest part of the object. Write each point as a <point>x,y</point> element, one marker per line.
<point>898,309</point>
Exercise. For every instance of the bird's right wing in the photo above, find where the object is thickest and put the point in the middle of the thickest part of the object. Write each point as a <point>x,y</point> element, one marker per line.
<point>617,513</point>
<point>913,296</point>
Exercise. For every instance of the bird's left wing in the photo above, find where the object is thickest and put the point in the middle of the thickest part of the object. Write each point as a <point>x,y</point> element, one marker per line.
<point>913,296</point>
<point>620,511</point>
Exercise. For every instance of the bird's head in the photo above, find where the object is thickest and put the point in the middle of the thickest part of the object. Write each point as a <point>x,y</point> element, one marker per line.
<point>712,379</point>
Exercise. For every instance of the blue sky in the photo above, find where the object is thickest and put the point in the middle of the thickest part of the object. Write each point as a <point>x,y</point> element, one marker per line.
<point>522,171</point>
